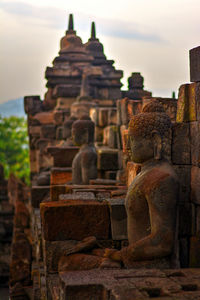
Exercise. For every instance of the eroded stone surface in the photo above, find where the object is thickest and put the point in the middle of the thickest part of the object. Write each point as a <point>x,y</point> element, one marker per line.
<point>61,220</point>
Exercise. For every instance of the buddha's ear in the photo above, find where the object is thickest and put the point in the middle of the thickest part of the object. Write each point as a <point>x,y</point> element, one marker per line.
<point>157,141</point>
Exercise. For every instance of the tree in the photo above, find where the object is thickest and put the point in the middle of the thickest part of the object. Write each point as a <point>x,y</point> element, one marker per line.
<point>14,149</point>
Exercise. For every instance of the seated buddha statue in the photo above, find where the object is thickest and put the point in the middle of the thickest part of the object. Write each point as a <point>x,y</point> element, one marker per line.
<point>151,200</point>
<point>84,165</point>
<point>66,132</point>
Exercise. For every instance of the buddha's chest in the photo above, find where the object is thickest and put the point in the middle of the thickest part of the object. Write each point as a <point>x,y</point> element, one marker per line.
<point>136,203</point>
<point>77,161</point>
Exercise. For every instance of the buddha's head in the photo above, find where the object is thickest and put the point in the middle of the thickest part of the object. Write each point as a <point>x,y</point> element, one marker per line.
<point>67,127</point>
<point>83,132</point>
<point>146,132</point>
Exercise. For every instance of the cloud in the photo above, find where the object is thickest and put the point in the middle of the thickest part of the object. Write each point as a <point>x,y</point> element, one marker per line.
<point>56,18</point>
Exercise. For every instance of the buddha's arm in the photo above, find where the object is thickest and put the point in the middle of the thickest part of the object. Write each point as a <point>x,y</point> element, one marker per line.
<point>162,209</point>
<point>88,167</point>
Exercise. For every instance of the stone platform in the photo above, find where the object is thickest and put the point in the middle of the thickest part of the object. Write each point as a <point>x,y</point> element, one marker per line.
<point>134,284</point>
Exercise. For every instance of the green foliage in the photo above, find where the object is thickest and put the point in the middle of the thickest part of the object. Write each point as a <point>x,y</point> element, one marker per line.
<point>14,149</point>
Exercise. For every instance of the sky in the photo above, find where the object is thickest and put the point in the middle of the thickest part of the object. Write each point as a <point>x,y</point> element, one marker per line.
<point>148,36</point>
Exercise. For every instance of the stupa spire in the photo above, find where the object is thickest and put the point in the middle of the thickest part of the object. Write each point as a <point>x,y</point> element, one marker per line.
<point>71,22</point>
<point>93,31</point>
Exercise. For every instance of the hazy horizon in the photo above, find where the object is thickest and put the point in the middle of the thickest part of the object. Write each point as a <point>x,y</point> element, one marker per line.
<point>147,36</point>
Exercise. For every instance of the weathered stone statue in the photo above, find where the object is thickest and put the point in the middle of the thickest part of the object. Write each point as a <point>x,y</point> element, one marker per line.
<point>152,197</point>
<point>151,200</point>
<point>84,166</point>
<point>67,127</point>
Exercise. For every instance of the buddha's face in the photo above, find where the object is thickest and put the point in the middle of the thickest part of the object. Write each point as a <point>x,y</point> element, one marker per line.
<point>67,132</point>
<point>141,149</point>
<point>79,138</point>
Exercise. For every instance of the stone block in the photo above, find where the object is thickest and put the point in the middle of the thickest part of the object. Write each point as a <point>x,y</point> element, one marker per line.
<point>48,131</point>
<point>124,108</point>
<point>58,117</point>
<point>112,116</point>
<point>132,170</point>
<point>129,108</point>
<point>89,291</point>
<point>66,114</point>
<point>78,196</point>
<point>21,217</point>
<point>134,107</point>
<point>121,176</point>
<point>119,119</point>
<point>118,219</point>
<point>110,175</point>
<point>110,136</point>
<point>56,191</point>
<point>38,193</point>
<point>66,90</point>
<point>195,64</point>
<point>194,252</point>
<point>94,115</point>
<point>181,148</point>
<point>75,220</point>
<point>184,177</point>
<point>107,159</point>
<point>195,185</point>
<point>81,108</point>
<point>184,252</point>
<point>125,146</point>
<point>42,144</point>
<point>170,107</point>
<point>103,117</point>
<point>188,106</point>
<point>44,160</point>
<point>44,118</point>
<point>34,130</point>
<point>98,134</point>
<point>186,212</point>
<point>60,175</point>
<point>59,133</point>
<point>63,156</point>
<point>32,105</point>
<point>195,143</point>
<point>52,251</point>
<point>33,161</point>
<point>198,220</point>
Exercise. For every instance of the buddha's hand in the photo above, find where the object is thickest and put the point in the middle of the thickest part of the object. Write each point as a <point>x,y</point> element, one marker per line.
<point>113,254</point>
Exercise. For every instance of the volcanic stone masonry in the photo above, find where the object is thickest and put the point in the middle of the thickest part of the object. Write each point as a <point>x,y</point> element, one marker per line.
<point>56,219</point>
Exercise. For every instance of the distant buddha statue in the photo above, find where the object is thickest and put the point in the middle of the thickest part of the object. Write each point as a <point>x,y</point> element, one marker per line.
<point>67,127</point>
<point>84,165</point>
<point>151,201</point>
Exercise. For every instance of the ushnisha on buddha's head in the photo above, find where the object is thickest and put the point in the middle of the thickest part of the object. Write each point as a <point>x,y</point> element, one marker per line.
<point>83,132</point>
<point>146,132</point>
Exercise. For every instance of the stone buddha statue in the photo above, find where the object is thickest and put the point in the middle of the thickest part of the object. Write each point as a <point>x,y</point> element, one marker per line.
<point>67,127</point>
<point>84,165</point>
<point>151,200</point>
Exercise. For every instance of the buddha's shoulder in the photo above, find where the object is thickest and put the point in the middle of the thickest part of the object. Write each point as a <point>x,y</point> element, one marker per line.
<point>160,173</point>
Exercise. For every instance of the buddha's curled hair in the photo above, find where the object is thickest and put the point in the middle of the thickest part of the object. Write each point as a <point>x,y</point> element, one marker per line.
<point>153,117</point>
